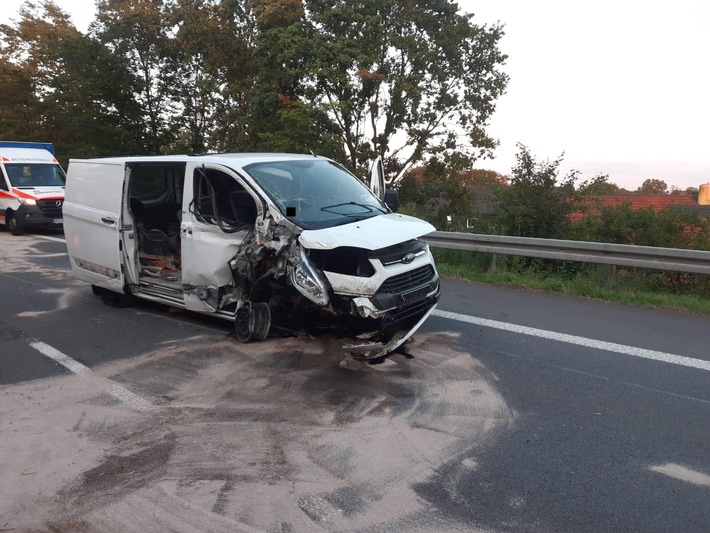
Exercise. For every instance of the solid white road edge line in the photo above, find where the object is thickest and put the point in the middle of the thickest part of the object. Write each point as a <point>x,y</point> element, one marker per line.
<point>122,394</point>
<point>580,341</point>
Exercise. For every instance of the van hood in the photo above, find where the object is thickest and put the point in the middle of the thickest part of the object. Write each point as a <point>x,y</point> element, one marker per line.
<point>39,193</point>
<point>371,234</point>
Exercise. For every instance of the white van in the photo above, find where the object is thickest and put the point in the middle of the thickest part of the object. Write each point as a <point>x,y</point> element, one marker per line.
<point>293,240</point>
<point>31,186</point>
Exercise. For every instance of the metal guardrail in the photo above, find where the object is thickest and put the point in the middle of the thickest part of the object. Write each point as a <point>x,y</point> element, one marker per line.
<point>672,259</point>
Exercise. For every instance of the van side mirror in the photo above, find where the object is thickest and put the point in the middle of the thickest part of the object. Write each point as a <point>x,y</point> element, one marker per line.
<point>392,199</point>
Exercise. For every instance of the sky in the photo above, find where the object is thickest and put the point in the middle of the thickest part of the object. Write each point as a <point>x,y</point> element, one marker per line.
<point>621,87</point>
<point>616,87</point>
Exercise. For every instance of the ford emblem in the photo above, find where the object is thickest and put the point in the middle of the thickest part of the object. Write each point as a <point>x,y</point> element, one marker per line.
<point>408,258</point>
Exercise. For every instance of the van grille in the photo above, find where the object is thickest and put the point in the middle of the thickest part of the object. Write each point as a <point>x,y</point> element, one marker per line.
<point>409,280</point>
<point>50,208</point>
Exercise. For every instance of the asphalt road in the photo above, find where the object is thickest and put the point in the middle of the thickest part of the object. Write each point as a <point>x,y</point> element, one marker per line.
<point>515,411</point>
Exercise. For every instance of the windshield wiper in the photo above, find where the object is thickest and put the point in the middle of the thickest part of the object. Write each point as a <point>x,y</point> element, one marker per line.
<point>369,209</point>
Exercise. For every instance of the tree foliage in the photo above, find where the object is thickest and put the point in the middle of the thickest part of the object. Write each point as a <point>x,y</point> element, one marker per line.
<point>408,80</point>
<point>538,202</point>
<point>667,228</point>
<point>600,186</point>
<point>64,87</point>
<point>477,177</point>
<point>653,187</point>
<point>436,193</point>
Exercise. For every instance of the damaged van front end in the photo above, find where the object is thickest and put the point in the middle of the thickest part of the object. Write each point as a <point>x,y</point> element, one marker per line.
<point>358,269</point>
<point>380,278</point>
<point>373,282</point>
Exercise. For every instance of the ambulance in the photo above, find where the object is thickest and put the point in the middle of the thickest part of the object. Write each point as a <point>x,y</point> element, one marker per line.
<point>31,186</point>
<point>275,243</point>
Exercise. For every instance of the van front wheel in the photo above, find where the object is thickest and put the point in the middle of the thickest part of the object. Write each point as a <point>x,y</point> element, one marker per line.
<point>13,225</point>
<point>253,322</point>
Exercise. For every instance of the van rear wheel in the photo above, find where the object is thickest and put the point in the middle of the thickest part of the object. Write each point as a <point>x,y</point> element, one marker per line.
<point>13,225</point>
<point>113,299</point>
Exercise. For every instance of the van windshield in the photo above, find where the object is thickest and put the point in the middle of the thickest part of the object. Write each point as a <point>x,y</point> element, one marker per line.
<point>35,175</point>
<point>316,194</point>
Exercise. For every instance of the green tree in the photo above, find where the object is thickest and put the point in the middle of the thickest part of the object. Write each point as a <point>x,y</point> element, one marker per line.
<point>139,32</point>
<point>435,193</point>
<point>537,203</point>
<point>653,187</point>
<point>20,116</point>
<point>283,118</point>
<point>215,47</point>
<point>63,87</point>
<point>483,178</point>
<point>600,186</point>
<point>29,65</point>
<point>406,80</point>
<point>409,80</point>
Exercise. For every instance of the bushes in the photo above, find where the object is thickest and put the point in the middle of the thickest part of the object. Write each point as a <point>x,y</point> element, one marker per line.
<point>644,227</point>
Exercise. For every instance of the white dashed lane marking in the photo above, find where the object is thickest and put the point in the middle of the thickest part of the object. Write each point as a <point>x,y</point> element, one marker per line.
<point>119,392</point>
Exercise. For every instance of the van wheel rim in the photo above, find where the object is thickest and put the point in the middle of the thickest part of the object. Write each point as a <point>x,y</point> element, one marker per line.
<point>253,322</point>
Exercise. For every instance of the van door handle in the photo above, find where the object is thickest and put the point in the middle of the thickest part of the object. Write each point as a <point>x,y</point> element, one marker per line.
<point>108,220</point>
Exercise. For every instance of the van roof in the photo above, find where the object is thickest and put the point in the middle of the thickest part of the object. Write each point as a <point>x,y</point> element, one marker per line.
<point>241,159</point>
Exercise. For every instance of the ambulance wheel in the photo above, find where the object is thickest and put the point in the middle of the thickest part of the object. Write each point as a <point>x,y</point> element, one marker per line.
<point>13,225</point>
<point>253,322</point>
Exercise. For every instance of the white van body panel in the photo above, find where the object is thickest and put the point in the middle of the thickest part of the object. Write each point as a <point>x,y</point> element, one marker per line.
<point>92,223</point>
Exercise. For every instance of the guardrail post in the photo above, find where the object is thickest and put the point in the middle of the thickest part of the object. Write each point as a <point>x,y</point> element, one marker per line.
<point>611,275</point>
<point>493,268</point>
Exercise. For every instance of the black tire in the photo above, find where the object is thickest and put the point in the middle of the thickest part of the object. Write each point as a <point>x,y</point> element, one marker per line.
<point>243,324</point>
<point>253,322</point>
<point>262,321</point>
<point>98,291</point>
<point>13,225</point>
<point>116,299</point>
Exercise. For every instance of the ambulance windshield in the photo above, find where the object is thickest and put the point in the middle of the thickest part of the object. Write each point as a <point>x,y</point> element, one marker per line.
<point>35,175</point>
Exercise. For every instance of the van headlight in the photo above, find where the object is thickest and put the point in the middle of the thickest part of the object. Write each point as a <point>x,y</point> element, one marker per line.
<point>309,281</point>
<point>27,201</point>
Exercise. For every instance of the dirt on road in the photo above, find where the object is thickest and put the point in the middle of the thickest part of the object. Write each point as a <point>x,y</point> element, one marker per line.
<point>285,435</point>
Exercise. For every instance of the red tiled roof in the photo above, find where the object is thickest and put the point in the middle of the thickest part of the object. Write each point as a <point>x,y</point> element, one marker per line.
<point>657,203</point>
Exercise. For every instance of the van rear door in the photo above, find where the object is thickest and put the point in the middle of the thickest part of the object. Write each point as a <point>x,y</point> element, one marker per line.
<point>92,221</point>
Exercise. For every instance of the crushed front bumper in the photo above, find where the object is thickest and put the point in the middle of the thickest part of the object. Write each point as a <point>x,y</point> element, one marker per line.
<point>397,327</point>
